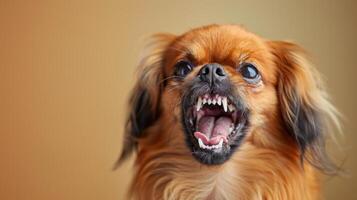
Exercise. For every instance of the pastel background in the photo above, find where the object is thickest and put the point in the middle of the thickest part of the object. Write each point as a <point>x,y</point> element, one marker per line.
<point>67,67</point>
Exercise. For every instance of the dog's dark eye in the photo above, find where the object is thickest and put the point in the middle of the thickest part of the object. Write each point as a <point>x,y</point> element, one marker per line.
<point>182,68</point>
<point>249,72</point>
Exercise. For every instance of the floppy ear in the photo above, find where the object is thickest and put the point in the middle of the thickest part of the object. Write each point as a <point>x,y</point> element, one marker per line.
<point>144,102</point>
<point>305,108</point>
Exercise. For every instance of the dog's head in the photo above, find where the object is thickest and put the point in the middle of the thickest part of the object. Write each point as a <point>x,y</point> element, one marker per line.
<point>224,86</point>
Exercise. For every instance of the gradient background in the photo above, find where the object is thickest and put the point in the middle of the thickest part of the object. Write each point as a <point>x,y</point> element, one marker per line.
<point>66,69</point>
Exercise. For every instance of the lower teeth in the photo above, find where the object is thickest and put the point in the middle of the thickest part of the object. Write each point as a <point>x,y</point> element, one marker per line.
<point>210,147</point>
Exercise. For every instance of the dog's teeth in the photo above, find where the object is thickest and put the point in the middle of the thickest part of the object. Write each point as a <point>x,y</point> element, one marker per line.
<point>220,144</point>
<point>219,100</point>
<point>204,101</point>
<point>214,101</point>
<point>231,108</point>
<point>224,103</point>
<point>210,147</point>
<point>201,143</point>
<point>209,101</point>
<point>238,127</point>
<point>199,103</point>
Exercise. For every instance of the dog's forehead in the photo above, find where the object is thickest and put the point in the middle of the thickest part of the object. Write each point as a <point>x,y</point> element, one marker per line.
<point>219,43</point>
<point>229,45</point>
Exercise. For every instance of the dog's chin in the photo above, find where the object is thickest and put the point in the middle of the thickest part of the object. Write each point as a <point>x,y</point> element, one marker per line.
<point>215,125</point>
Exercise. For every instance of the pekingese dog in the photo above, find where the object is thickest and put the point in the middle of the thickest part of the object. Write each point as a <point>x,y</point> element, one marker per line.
<point>221,113</point>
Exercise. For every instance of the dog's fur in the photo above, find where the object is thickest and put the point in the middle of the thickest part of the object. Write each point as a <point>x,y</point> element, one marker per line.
<point>282,152</point>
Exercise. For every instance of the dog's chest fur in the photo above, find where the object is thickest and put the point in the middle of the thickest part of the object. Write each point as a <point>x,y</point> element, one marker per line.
<point>188,180</point>
<point>249,174</point>
<point>203,183</point>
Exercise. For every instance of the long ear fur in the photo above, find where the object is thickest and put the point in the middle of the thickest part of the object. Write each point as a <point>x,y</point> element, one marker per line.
<point>145,98</point>
<point>306,111</point>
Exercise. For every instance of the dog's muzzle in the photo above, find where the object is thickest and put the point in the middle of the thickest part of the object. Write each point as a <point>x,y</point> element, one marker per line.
<point>213,115</point>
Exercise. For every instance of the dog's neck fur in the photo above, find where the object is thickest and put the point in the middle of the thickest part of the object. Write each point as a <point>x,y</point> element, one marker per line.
<point>166,170</point>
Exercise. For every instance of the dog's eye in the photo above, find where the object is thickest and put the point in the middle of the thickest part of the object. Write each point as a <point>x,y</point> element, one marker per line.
<point>182,68</point>
<point>249,72</point>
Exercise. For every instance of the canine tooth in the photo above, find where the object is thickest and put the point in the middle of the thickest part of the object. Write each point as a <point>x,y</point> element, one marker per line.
<point>231,108</point>
<point>224,103</point>
<point>239,126</point>
<point>209,101</point>
<point>230,129</point>
<point>201,143</point>
<point>220,144</point>
<point>199,103</point>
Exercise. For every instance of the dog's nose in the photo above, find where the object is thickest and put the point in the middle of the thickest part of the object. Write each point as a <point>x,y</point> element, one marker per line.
<point>212,73</point>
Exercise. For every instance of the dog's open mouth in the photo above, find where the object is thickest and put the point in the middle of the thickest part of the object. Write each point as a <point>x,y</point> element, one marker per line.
<point>215,120</point>
<point>215,124</point>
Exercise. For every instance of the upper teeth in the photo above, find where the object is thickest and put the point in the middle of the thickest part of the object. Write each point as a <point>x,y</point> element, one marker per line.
<point>219,100</point>
<point>216,100</point>
<point>224,103</point>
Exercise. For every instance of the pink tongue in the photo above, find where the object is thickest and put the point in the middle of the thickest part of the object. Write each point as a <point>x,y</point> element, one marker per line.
<point>211,130</point>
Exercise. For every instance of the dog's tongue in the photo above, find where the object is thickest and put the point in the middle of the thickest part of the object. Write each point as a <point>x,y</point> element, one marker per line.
<point>211,130</point>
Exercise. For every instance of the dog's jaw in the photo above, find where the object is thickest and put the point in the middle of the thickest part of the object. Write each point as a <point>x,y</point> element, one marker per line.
<point>214,123</point>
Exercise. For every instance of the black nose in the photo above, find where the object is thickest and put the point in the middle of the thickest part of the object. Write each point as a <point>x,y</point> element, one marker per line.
<point>212,73</point>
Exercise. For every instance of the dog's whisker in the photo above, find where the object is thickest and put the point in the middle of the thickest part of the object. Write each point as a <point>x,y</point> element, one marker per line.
<point>168,78</point>
<point>172,88</point>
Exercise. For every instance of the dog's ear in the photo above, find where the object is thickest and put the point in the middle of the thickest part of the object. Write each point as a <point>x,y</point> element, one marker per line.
<point>305,109</point>
<point>144,103</point>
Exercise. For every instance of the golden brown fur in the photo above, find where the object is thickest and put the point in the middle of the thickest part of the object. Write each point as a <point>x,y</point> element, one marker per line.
<point>275,161</point>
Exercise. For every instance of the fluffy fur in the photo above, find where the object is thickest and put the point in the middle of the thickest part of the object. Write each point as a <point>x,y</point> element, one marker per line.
<point>283,151</point>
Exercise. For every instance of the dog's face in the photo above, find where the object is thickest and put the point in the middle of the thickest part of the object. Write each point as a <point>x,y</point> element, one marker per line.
<point>224,86</point>
<point>224,80</point>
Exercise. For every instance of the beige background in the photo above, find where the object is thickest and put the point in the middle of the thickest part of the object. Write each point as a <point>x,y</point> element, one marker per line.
<point>66,68</point>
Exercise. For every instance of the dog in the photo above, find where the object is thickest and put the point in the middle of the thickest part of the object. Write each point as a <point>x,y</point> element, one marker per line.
<point>221,113</point>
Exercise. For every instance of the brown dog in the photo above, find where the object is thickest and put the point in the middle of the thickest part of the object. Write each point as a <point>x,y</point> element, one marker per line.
<point>220,113</point>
